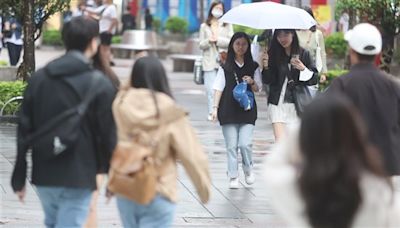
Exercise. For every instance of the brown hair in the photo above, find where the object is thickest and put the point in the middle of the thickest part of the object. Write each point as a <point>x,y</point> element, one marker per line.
<point>336,152</point>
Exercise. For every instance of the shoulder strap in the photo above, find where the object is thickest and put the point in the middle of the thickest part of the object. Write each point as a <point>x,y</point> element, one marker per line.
<point>80,109</point>
<point>316,38</point>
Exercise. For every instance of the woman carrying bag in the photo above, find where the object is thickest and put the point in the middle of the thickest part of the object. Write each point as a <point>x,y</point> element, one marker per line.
<point>214,39</point>
<point>147,107</point>
<point>285,67</point>
<point>236,122</point>
<point>313,41</point>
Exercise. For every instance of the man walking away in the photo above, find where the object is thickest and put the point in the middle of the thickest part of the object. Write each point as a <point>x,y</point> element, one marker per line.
<point>65,182</point>
<point>375,94</point>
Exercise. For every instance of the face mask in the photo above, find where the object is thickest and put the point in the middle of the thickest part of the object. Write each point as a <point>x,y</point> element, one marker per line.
<point>217,13</point>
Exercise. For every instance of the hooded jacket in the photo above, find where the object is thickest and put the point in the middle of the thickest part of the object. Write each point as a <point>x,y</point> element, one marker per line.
<point>59,86</point>
<point>135,109</point>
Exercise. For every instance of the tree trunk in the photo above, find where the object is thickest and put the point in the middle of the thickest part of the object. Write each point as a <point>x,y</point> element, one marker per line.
<point>28,65</point>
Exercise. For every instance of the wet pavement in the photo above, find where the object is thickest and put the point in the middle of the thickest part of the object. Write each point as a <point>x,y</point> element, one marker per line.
<point>244,207</point>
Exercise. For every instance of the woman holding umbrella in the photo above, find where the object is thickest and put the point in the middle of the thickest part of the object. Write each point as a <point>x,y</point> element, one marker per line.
<point>285,65</point>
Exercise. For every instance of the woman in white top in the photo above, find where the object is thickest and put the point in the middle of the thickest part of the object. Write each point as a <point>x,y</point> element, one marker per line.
<point>214,38</point>
<point>285,66</point>
<point>313,41</point>
<point>237,123</point>
<point>326,173</point>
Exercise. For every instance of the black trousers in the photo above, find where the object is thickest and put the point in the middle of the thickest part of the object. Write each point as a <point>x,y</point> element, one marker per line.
<point>14,52</point>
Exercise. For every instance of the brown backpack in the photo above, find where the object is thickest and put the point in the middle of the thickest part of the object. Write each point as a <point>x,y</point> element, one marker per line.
<point>133,173</point>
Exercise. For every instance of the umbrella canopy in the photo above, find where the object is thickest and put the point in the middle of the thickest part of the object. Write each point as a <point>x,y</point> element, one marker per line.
<point>269,15</point>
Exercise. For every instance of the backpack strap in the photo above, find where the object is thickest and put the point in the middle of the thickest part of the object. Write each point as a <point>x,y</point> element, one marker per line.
<point>80,109</point>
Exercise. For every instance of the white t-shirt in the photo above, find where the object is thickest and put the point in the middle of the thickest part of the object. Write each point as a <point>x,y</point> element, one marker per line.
<point>107,13</point>
<point>219,83</point>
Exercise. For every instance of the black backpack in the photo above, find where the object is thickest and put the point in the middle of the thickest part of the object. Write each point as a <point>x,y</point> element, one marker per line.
<point>60,134</point>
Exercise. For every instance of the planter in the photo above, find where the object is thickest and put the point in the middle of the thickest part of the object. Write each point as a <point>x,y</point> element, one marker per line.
<point>335,63</point>
<point>8,73</point>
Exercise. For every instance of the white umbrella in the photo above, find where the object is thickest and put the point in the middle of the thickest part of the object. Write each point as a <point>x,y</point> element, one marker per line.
<point>269,15</point>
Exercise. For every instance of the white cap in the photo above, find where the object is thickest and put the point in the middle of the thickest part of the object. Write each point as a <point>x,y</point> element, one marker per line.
<point>365,39</point>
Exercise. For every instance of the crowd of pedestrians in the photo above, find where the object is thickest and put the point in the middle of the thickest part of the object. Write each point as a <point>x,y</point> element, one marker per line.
<point>334,163</point>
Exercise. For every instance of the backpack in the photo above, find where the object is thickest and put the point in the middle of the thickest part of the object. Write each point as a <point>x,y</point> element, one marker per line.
<point>59,135</point>
<point>133,172</point>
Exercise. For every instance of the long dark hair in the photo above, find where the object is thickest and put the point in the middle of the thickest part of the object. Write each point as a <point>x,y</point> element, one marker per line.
<point>230,59</point>
<point>277,52</point>
<point>148,72</point>
<point>333,143</point>
<point>101,63</point>
<point>210,16</point>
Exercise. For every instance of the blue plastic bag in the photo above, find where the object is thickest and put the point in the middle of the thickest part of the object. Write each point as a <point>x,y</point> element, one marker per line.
<point>244,96</point>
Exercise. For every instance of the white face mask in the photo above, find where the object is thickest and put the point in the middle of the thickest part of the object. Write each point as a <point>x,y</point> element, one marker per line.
<point>217,13</point>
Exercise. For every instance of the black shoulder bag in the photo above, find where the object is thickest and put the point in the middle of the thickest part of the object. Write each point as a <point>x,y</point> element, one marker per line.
<point>301,94</point>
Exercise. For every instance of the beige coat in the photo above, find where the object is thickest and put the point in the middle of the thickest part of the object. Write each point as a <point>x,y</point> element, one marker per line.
<point>135,109</point>
<point>308,40</point>
<point>211,50</point>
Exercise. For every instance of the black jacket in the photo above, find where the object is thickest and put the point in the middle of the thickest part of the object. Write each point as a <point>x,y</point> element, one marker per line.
<point>378,100</point>
<point>275,76</point>
<point>45,97</point>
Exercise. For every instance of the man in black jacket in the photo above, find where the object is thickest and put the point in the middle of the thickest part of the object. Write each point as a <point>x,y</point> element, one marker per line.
<point>375,94</point>
<point>65,183</point>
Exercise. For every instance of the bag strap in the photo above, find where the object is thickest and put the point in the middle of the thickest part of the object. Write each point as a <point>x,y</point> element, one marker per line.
<point>316,38</point>
<point>236,78</point>
<point>81,109</point>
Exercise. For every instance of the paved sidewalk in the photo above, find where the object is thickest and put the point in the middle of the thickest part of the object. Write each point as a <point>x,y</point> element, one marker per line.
<point>244,207</point>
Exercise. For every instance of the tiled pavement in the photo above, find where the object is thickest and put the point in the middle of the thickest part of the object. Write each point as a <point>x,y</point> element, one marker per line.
<point>244,207</point>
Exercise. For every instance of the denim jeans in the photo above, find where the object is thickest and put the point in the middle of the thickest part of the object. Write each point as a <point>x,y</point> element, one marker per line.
<point>238,136</point>
<point>158,213</point>
<point>209,78</point>
<point>64,207</point>
<point>14,52</point>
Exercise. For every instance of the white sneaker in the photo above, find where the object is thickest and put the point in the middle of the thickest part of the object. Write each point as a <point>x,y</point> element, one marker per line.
<point>234,183</point>
<point>250,178</point>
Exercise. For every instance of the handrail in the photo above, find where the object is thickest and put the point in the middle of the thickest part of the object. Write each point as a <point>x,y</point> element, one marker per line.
<point>9,101</point>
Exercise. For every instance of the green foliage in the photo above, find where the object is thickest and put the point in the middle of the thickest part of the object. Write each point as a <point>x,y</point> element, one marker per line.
<point>176,25</point>
<point>3,63</point>
<point>9,90</point>
<point>247,30</point>
<point>336,45</point>
<point>52,37</point>
<point>332,74</point>
<point>42,9</point>
<point>157,24</point>
<point>116,39</point>
<point>384,14</point>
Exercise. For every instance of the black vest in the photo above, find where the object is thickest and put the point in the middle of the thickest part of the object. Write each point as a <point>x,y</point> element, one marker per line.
<point>229,111</point>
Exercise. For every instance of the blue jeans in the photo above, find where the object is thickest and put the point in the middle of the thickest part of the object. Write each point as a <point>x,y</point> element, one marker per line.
<point>209,78</point>
<point>238,136</point>
<point>64,207</point>
<point>158,213</point>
